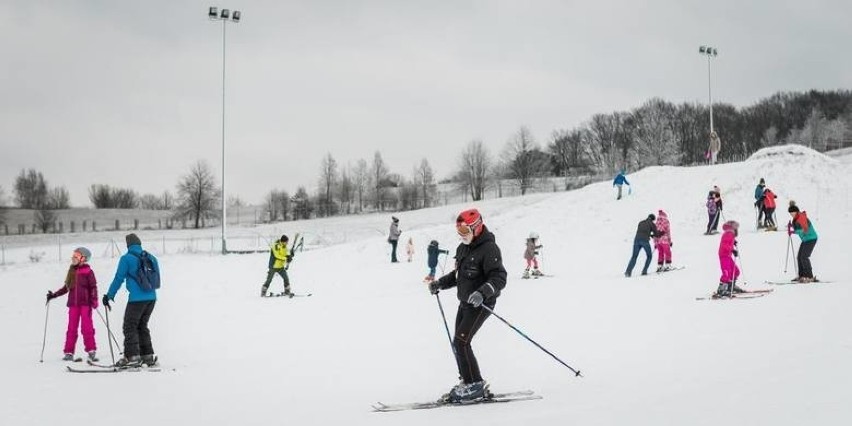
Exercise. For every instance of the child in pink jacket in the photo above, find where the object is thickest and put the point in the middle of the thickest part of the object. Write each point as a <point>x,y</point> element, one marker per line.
<point>82,290</point>
<point>663,242</point>
<point>727,253</point>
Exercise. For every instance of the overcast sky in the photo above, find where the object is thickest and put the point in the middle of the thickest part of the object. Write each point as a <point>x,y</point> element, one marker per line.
<point>129,93</point>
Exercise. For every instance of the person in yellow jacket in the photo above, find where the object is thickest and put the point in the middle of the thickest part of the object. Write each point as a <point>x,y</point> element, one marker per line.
<point>278,258</point>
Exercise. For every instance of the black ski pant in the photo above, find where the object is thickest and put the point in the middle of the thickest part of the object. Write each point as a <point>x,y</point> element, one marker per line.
<point>770,217</point>
<point>804,258</point>
<point>393,244</point>
<point>760,211</point>
<point>468,322</point>
<point>137,336</point>
<point>271,273</point>
<point>713,222</point>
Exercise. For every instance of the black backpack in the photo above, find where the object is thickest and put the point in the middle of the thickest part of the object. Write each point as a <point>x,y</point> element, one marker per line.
<point>146,275</point>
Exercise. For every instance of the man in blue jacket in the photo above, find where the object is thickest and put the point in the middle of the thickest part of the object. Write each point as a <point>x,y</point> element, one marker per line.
<point>619,181</point>
<point>140,304</point>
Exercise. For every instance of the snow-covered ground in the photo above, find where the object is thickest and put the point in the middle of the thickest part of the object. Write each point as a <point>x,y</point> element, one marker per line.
<point>649,352</point>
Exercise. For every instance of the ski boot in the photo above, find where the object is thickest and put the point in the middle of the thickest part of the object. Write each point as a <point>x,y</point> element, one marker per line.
<point>149,360</point>
<point>469,392</point>
<point>526,274</point>
<point>660,269</point>
<point>125,362</point>
<point>668,267</point>
<point>93,356</point>
<point>68,357</point>
<point>287,293</point>
<point>537,273</point>
<point>724,290</point>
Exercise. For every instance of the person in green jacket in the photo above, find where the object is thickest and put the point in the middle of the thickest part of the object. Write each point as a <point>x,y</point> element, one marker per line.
<point>802,226</point>
<point>278,258</point>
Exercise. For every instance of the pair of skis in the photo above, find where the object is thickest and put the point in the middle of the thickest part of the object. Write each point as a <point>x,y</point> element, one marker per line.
<point>747,294</point>
<point>526,395</point>
<point>290,296</point>
<point>103,368</point>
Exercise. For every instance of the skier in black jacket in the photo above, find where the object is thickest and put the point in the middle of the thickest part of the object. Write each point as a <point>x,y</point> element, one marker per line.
<point>479,276</point>
<point>644,231</point>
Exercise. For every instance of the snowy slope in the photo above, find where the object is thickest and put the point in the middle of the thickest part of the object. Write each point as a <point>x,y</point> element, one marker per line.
<point>650,353</point>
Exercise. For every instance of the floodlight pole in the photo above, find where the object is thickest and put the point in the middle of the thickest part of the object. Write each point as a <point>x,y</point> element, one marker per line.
<point>224,17</point>
<point>710,52</point>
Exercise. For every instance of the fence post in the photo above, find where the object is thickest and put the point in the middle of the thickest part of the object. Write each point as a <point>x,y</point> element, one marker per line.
<point>59,243</point>
<point>84,225</point>
<point>117,226</point>
<point>71,225</point>
<point>94,226</point>
<point>135,224</point>
<point>164,244</point>
<point>61,227</point>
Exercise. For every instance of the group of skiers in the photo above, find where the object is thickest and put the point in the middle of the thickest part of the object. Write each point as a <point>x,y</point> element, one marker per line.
<point>81,287</point>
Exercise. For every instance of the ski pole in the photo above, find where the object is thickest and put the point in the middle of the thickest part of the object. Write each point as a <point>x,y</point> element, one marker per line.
<point>447,327</point>
<point>111,353</point>
<point>576,372</point>
<point>111,336</point>
<point>787,253</point>
<point>44,337</point>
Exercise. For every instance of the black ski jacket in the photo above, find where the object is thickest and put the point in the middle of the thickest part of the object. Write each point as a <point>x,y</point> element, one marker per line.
<point>646,230</point>
<point>479,267</point>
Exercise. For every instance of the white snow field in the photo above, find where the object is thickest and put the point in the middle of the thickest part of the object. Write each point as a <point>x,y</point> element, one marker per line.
<point>650,353</point>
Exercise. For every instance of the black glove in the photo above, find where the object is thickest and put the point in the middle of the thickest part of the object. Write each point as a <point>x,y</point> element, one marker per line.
<point>671,243</point>
<point>475,299</point>
<point>289,258</point>
<point>49,296</point>
<point>105,302</point>
<point>434,288</point>
<point>735,253</point>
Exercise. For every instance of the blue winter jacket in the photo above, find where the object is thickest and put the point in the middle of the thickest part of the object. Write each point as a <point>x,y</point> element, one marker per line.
<point>434,251</point>
<point>758,192</point>
<point>620,180</point>
<point>127,266</point>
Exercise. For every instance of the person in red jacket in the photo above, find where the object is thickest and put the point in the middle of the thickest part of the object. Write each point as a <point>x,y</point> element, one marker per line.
<point>769,210</point>
<point>82,289</point>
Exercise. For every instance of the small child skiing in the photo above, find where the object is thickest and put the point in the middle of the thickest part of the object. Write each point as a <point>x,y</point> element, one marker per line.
<point>663,242</point>
<point>82,289</point>
<point>409,249</point>
<point>727,252</point>
<point>769,210</point>
<point>530,255</point>
<point>434,251</point>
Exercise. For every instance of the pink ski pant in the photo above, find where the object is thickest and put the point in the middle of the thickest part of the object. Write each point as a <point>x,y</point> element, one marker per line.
<point>80,316</point>
<point>730,272</point>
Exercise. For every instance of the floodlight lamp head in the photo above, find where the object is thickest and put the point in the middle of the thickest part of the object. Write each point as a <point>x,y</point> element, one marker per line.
<point>213,13</point>
<point>225,14</point>
<point>236,16</point>
<point>702,49</point>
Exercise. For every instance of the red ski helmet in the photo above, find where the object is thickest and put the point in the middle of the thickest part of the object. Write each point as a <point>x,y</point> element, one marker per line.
<point>469,222</point>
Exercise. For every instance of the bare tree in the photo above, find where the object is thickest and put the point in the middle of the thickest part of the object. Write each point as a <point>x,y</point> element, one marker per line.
<point>150,202</point>
<point>44,218</point>
<point>378,176</point>
<point>600,142</point>
<point>106,197</point>
<point>168,200</point>
<point>525,161</point>
<point>424,180</point>
<point>654,138</point>
<point>2,206</point>
<point>302,205</point>
<point>362,179</point>
<point>30,189</point>
<point>474,169</point>
<point>198,195</point>
<point>346,189</point>
<point>58,199</point>
<point>327,182</point>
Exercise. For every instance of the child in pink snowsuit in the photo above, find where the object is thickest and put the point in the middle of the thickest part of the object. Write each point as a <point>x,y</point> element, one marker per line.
<point>82,290</point>
<point>727,252</point>
<point>663,242</point>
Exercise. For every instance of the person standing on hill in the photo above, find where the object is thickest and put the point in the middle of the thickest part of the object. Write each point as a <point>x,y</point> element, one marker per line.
<point>479,276</point>
<point>802,226</point>
<point>758,201</point>
<point>769,210</point>
<point>278,259</point>
<point>715,147</point>
<point>432,262</point>
<point>644,231</point>
<point>393,237</point>
<point>138,348</point>
<point>530,256</point>
<point>620,180</point>
<point>663,242</point>
<point>727,252</point>
<point>82,289</point>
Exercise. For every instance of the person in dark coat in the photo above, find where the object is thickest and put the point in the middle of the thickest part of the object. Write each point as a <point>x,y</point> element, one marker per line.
<point>479,276</point>
<point>393,237</point>
<point>434,251</point>
<point>644,232</point>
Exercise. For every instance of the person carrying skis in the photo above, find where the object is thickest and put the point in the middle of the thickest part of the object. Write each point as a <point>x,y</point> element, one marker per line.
<point>619,181</point>
<point>802,226</point>
<point>714,148</point>
<point>433,252</point>
<point>769,210</point>
<point>82,289</point>
<point>393,237</point>
<point>758,202</point>
<point>479,276</point>
<point>727,252</point>
<point>138,348</point>
<point>278,259</point>
<point>663,242</point>
<point>644,231</point>
<point>530,255</point>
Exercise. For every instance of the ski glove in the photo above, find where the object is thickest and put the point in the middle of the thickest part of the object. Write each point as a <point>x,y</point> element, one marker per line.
<point>105,302</point>
<point>433,287</point>
<point>475,299</point>
<point>289,258</point>
<point>49,296</point>
<point>735,253</point>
